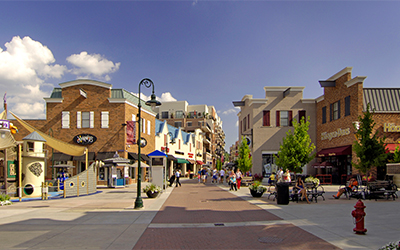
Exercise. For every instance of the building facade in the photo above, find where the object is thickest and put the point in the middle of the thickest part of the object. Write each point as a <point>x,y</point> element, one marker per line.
<point>266,121</point>
<point>191,117</point>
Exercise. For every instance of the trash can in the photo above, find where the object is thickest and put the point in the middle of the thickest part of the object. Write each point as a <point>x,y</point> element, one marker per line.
<point>282,193</point>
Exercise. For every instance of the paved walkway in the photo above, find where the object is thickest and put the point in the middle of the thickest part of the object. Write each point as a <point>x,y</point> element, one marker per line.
<point>194,216</point>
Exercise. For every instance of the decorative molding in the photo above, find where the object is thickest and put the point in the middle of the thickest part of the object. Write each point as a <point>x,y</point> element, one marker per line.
<point>355,80</point>
<point>85,82</point>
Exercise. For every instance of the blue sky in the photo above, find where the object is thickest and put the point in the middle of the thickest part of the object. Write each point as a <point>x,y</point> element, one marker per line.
<point>204,52</point>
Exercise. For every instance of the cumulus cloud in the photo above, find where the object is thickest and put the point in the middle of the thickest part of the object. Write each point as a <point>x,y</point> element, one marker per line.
<point>87,65</point>
<point>165,97</point>
<point>231,111</point>
<point>25,64</point>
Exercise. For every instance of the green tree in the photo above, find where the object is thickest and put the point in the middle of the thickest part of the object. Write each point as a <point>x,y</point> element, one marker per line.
<point>296,148</point>
<point>244,160</point>
<point>370,148</point>
<point>219,164</point>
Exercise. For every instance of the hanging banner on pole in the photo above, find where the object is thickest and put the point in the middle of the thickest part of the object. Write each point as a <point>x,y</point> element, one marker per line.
<point>130,132</point>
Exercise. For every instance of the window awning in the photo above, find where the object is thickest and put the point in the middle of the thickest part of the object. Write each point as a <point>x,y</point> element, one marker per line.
<point>61,157</point>
<point>200,162</point>
<point>324,164</point>
<point>135,157</point>
<point>171,158</point>
<point>191,161</point>
<point>180,160</point>
<point>345,150</point>
<point>83,157</point>
<point>391,147</point>
<point>104,155</point>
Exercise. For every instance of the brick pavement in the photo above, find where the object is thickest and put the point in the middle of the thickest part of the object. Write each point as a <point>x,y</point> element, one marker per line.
<point>198,216</point>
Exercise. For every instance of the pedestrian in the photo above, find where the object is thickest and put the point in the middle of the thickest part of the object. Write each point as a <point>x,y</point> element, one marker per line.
<point>232,180</point>
<point>177,176</point>
<point>199,175</point>
<point>238,178</point>
<point>214,177</point>
<point>222,174</point>
<point>172,180</point>
<point>204,175</point>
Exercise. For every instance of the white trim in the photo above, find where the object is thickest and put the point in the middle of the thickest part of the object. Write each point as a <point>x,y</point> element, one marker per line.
<point>148,127</point>
<point>320,99</point>
<point>268,152</point>
<point>53,100</point>
<point>257,101</point>
<point>85,82</point>
<point>105,119</point>
<point>312,101</point>
<point>355,80</point>
<point>340,73</point>
<point>281,89</point>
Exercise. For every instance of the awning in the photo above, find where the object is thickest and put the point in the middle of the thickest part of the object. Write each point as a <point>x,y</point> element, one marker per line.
<point>324,164</point>
<point>135,156</point>
<point>391,147</point>
<point>83,157</point>
<point>142,165</point>
<point>200,162</point>
<point>104,155</point>
<point>61,157</point>
<point>180,160</point>
<point>171,158</point>
<point>191,161</point>
<point>345,150</point>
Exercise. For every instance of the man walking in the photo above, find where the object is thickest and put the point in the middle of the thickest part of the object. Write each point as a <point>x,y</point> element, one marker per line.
<point>177,175</point>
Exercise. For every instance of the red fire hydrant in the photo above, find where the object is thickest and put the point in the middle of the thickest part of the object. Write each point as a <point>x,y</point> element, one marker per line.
<point>359,215</point>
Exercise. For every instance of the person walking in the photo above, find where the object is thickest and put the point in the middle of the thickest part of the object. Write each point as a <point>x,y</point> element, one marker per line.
<point>221,175</point>
<point>238,178</point>
<point>177,176</point>
<point>232,181</point>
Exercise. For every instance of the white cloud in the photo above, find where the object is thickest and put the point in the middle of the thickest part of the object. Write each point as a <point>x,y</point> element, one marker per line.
<point>24,66</point>
<point>165,97</point>
<point>88,65</point>
<point>231,111</point>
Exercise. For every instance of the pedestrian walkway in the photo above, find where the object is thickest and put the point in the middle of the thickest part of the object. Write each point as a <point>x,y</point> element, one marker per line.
<point>199,216</point>
<point>194,216</point>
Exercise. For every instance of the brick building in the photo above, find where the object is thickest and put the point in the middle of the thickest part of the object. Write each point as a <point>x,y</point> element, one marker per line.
<point>92,114</point>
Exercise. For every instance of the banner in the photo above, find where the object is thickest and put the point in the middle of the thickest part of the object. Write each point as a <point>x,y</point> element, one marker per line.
<point>130,132</point>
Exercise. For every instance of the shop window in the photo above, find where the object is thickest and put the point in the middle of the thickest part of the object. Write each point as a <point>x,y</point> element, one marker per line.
<point>347,106</point>
<point>179,114</point>
<point>323,115</point>
<point>148,127</point>
<point>335,111</point>
<point>269,165</point>
<point>104,119</point>
<point>164,115</point>
<point>65,119</point>
<point>283,118</point>
<point>266,118</point>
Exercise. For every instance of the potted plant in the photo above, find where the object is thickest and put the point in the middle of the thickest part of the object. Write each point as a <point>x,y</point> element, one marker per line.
<point>152,190</point>
<point>313,180</point>
<point>5,200</point>
<point>256,189</point>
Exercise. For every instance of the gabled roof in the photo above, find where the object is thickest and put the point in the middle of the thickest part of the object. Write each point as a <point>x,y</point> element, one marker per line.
<point>34,136</point>
<point>382,99</point>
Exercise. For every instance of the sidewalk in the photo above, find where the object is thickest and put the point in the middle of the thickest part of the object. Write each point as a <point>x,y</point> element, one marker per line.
<point>194,216</point>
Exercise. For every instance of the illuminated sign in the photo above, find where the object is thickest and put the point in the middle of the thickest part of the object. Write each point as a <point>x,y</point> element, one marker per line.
<point>5,124</point>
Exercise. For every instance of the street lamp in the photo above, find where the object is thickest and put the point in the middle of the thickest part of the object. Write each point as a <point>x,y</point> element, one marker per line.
<point>152,102</point>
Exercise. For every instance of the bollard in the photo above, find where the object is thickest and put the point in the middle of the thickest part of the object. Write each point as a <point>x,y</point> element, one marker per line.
<point>359,215</point>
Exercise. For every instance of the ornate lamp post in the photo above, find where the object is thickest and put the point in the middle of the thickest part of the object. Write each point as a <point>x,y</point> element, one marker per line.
<point>153,102</point>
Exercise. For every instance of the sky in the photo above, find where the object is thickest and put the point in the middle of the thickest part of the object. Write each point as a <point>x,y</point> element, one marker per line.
<point>204,52</point>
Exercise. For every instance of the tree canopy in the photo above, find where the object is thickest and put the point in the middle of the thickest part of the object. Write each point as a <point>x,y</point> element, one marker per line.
<point>369,147</point>
<point>244,160</point>
<point>296,148</point>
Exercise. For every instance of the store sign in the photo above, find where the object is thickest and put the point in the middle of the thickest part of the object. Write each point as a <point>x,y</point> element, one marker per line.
<point>391,127</point>
<point>165,149</point>
<point>190,155</point>
<point>334,134</point>
<point>85,139</point>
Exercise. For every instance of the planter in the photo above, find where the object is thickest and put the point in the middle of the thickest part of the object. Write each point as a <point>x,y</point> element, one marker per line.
<point>151,194</point>
<point>255,193</point>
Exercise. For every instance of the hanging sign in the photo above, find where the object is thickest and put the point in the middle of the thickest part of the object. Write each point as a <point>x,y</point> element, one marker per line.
<point>85,139</point>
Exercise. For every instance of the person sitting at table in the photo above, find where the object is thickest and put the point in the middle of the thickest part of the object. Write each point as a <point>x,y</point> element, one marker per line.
<point>352,183</point>
<point>301,189</point>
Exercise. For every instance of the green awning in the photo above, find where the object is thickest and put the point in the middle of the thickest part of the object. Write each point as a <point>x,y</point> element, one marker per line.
<point>179,160</point>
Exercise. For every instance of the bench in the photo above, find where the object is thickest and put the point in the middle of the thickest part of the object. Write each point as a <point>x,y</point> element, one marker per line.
<point>314,192</point>
<point>246,181</point>
<point>376,189</point>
